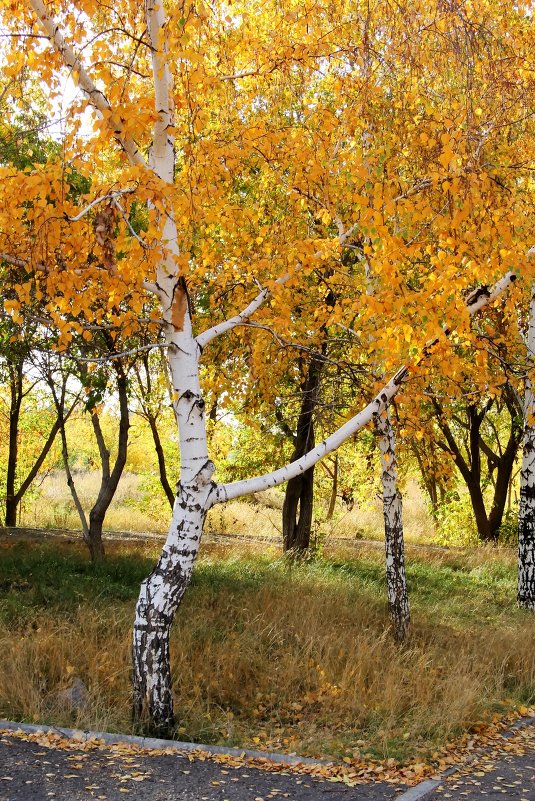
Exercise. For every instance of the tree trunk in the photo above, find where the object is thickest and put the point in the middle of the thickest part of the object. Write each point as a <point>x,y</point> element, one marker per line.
<point>484,531</point>
<point>297,512</point>
<point>159,598</point>
<point>298,504</point>
<point>334,490</point>
<point>396,580</point>
<point>164,481</point>
<point>526,514</point>
<point>110,479</point>
<point>15,386</point>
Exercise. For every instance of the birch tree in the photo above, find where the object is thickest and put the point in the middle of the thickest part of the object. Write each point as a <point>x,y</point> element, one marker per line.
<point>189,110</point>
<point>526,514</point>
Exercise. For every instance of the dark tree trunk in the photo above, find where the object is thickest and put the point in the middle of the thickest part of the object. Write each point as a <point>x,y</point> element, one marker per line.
<point>94,537</point>
<point>15,386</point>
<point>164,481</point>
<point>13,496</point>
<point>488,524</point>
<point>299,497</point>
<point>297,511</point>
<point>484,530</point>
<point>110,479</point>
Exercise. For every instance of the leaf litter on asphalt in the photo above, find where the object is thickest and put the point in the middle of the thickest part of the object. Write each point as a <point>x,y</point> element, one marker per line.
<point>485,743</point>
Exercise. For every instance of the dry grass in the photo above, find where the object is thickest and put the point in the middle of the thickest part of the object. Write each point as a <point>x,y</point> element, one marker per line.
<point>259,516</point>
<point>264,653</point>
<point>55,509</point>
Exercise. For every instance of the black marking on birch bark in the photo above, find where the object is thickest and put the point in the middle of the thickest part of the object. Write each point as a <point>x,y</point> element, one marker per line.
<point>400,376</point>
<point>477,294</point>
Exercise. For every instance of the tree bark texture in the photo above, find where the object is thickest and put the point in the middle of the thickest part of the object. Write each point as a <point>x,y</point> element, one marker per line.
<point>526,514</point>
<point>396,580</point>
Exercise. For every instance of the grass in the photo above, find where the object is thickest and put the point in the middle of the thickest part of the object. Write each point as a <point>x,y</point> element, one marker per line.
<point>135,509</point>
<point>267,654</point>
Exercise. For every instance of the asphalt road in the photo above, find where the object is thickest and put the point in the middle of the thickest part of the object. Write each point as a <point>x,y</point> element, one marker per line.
<point>66,771</point>
<point>31,772</point>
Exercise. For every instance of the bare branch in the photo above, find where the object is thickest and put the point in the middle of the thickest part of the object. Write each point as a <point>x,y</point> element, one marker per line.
<point>114,356</point>
<point>16,262</point>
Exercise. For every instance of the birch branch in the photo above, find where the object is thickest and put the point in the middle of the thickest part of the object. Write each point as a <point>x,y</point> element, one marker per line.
<point>239,319</point>
<point>111,196</point>
<point>16,262</point>
<point>226,492</point>
<point>121,355</point>
<point>86,84</point>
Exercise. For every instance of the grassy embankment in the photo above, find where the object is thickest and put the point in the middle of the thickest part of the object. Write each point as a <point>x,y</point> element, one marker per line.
<point>271,655</point>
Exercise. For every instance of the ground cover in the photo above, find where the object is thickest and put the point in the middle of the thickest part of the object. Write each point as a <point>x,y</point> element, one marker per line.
<point>267,654</point>
<point>139,505</point>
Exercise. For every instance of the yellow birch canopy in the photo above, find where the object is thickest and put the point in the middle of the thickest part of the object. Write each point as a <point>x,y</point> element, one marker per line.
<point>335,141</point>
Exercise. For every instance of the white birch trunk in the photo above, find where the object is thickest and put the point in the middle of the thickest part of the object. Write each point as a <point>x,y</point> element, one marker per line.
<point>396,580</point>
<point>526,513</point>
<point>163,589</point>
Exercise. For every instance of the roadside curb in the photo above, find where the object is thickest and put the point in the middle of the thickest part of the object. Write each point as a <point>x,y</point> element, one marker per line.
<point>152,743</point>
<point>428,786</point>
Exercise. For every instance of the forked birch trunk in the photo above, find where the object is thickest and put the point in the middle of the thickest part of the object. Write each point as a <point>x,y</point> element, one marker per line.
<point>526,513</point>
<point>396,580</point>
